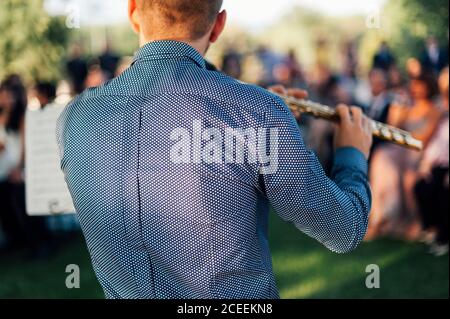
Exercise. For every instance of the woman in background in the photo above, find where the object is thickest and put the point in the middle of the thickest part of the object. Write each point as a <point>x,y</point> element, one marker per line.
<point>20,230</point>
<point>394,170</point>
<point>13,101</point>
<point>433,185</point>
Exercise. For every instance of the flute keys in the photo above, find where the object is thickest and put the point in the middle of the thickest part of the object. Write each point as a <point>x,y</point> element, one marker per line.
<point>414,143</point>
<point>386,133</point>
<point>379,130</point>
<point>398,137</point>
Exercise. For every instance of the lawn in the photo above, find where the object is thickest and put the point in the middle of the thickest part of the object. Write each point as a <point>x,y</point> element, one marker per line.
<point>303,268</point>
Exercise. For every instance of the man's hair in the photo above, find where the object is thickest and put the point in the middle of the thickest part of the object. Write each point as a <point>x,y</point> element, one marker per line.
<point>192,18</point>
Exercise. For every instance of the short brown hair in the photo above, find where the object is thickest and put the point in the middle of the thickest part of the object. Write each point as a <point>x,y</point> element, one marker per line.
<point>191,18</point>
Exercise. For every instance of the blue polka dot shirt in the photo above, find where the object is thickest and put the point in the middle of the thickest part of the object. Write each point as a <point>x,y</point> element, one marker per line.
<point>159,229</point>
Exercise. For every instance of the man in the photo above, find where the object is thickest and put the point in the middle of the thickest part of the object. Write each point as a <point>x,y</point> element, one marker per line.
<point>383,59</point>
<point>109,61</point>
<point>160,227</point>
<point>434,59</point>
<point>381,99</point>
<point>77,69</point>
<point>45,93</point>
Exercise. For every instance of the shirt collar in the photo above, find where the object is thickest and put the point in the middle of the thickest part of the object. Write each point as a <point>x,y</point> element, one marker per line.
<point>168,49</point>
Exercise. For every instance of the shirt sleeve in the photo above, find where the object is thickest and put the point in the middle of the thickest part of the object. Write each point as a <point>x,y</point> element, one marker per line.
<point>333,211</point>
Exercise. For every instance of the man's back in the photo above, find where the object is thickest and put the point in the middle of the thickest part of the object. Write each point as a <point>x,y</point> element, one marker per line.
<point>163,221</point>
<point>173,225</point>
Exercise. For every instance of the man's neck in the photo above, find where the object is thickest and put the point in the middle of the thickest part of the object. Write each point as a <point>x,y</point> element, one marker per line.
<point>200,45</point>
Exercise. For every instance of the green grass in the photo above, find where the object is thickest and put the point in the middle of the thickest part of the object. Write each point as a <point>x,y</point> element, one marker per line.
<point>303,268</point>
<point>21,277</point>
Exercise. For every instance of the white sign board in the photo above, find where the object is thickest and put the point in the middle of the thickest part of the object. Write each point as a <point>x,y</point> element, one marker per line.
<point>46,189</point>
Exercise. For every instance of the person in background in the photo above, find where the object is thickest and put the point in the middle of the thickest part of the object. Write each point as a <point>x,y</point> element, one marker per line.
<point>394,209</point>
<point>396,81</point>
<point>282,74</point>
<point>58,229</point>
<point>384,59</point>
<point>434,59</point>
<point>20,229</point>
<point>77,69</point>
<point>96,76</point>
<point>269,61</point>
<point>109,61</point>
<point>414,68</point>
<point>424,115</point>
<point>350,56</point>
<point>329,90</point>
<point>398,87</point>
<point>348,75</point>
<point>380,99</point>
<point>295,70</point>
<point>433,183</point>
<point>13,101</point>
<point>231,64</point>
<point>378,109</point>
<point>45,93</point>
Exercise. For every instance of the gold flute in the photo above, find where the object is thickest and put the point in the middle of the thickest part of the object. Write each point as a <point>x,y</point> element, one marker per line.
<point>380,130</point>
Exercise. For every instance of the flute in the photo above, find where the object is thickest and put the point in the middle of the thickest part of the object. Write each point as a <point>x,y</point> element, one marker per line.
<point>380,130</point>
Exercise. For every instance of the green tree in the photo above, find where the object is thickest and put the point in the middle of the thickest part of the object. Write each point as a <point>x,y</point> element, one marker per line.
<point>406,24</point>
<point>412,21</point>
<point>32,43</point>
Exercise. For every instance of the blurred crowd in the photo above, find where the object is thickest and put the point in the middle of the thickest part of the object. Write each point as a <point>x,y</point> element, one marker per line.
<point>410,188</point>
<point>39,235</point>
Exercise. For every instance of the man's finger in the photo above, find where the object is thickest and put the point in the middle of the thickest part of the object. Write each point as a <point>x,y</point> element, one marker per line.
<point>344,114</point>
<point>298,93</point>
<point>367,124</point>
<point>278,89</point>
<point>357,115</point>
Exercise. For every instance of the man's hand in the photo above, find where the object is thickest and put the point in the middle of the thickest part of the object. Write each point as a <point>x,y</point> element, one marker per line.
<point>354,130</point>
<point>296,93</point>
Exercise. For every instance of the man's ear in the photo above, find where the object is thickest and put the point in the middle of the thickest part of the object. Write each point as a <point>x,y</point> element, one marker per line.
<point>219,26</point>
<point>133,16</point>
